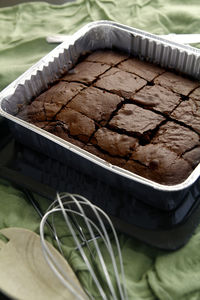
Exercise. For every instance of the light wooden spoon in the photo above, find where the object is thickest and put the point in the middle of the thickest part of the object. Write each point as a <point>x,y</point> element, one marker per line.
<point>24,272</point>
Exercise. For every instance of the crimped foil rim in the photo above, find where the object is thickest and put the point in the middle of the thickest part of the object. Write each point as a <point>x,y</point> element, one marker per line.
<point>51,56</point>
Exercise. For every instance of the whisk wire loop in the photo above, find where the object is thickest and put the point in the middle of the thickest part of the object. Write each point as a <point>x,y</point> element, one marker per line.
<point>73,206</point>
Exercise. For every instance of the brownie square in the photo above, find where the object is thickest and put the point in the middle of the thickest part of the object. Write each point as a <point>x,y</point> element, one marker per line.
<point>119,82</point>
<point>61,130</point>
<point>108,57</point>
<point>114,143</point>
<point>86,72</point>
<point>49,103</point>
<point>188,112</point>
<point>77,124</point>
<point>95,104</point>
<point>118,161</point>
<point>157,98</point>
<point>60,93</point>
<point>143,69</point>
<point>164,165</point>
<point>135,119</point>
<point>34,112</point>
<point>52,109</point>
<point>193,156</point>
<point>176,83</point>
<point>176,137</point>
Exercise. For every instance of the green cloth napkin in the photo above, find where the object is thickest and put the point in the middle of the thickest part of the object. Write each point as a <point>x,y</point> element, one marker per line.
<point>150,273</point>
<point>23,28</point>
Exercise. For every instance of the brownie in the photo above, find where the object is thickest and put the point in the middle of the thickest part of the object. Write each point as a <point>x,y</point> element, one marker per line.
<point>86,72</point>
<point>119,82</point>
<point>188,112</point>
<point>114,143</point>
<point>157,98</point>
<point>176,137</point>
<point>193,156</point>
<point>49,103</point>
<point>176,83</point>
<point>60,93</point>
<point>33,113</point>
<point>118,161</point>
<point>108,57</point>
<point>163,165</point>
<point>130,113</point>
<point>61,130</point>
<point>77,124</point>
<point>96,104</point>
<point>135,120</point>
<point>143,69</point>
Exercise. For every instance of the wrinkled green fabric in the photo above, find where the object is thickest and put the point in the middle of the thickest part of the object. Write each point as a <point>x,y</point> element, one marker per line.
<point>24,27</point>
<point>151,274</point>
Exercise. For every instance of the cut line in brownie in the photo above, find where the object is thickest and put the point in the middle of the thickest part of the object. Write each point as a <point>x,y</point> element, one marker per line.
<point>49,103</point>
<point>95,104</point>
<point>114,143</point>
<point>121,83</point>
<point>176,137</point>
<point>61,130</point>
<point>77,124</point>
<point>144,69</point>
<point>177,83</point>
<point>188,112</point>
<point>108,57</point>
<point>157,98</point>
<point>86,72</point>
<point>135,119</point>
<point>61,92</point>
<point>195,94</point>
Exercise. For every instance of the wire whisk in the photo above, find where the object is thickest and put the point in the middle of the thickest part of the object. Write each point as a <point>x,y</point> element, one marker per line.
<point>90,228</point>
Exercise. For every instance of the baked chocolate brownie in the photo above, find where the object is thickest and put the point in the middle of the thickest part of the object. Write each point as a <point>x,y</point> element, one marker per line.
<point>120,82</point>
<point>60,129</point>
<point>176,83</point>
<point>188,112</point>
<point>162,164</point>
<point>114,143</point>
<point>49,103</point>
<point>96,104</point>
<point>176,137</point>
<point>143,69</point>
<point>157,98</point>
<point>130,113</point>
<point>135,119</point>
<point>61,93</point>
<point>86,72</point>
<point>193,156</point>
<point>77,124</point>
<point>111,58</point>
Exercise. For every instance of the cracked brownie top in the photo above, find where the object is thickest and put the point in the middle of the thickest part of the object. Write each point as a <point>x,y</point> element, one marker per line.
<point>128,112</point>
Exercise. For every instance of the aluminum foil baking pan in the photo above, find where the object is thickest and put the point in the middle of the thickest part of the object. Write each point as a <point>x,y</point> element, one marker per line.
<point>99,35</point>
